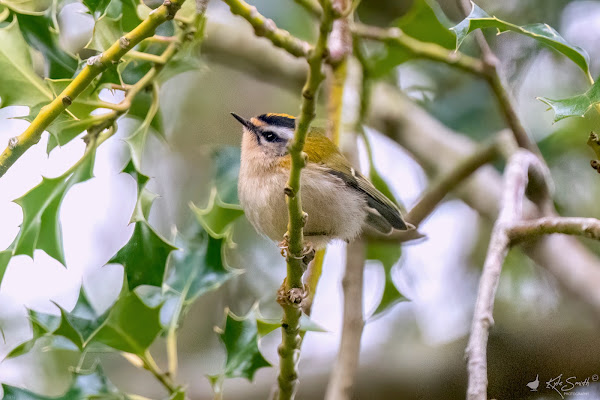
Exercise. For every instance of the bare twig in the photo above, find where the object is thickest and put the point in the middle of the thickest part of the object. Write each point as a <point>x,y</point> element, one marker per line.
<point>447,182</point>
<point>312,6</point>
<point>266,27</point>
<point>345,368</point>
<point>419,49</point>
<point>532,229</point>
<point>515,182</point>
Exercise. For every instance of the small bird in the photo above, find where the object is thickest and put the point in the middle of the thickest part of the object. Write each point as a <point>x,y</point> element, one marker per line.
<point>340,201</point>
<point>533,385</point>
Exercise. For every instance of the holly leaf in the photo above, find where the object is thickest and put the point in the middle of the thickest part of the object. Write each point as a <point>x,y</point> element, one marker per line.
<point>137,140</point>
<point>41,205</point>
<point>200,266</point>
<point>543,33</point>
<point>217,216</point>
<point>84,386</point>
<point>5,257</point>
<point>19,84</point>
<point>66,129</point>
<point>240,337</point>
<point>42,35</point>
<point>424,21</point>
<point>131,325</point>
<point>145,256</point>
<point>388,254</point>
<point>107,30</point>
<point>31,7</point>
<point>575,106</point>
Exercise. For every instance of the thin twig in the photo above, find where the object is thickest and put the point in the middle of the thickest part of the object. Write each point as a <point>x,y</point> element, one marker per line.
<point>266,27</point>
<point>312,6</point>
<point>419,49</point>
<point>532,229</point>
<point>94,67</point>
<point>516,178</point>
<point>448,181</point>
<point>161,376</point>
<point>290,299</point>
<point>345,368</point>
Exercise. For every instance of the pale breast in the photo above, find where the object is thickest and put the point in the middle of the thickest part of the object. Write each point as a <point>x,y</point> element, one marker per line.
<point>334,210</point>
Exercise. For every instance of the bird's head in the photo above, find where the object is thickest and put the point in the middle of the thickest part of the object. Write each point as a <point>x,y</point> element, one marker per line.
<point>267,135</point>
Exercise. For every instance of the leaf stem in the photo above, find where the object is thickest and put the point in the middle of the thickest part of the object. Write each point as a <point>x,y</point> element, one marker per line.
<point>163,377</point>
<point>95,66</point>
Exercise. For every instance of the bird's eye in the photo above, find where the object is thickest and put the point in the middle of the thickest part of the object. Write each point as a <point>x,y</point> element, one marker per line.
<point>270,136</point>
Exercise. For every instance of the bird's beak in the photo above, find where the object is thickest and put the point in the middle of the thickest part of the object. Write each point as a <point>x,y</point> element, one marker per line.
<point>243,121</point>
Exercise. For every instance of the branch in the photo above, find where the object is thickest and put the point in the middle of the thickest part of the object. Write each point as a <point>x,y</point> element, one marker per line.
<point>418,49</point>
<point>289,348</point>
<point>447,182</point>
<point>525,230</point>
<point>312,6</point>
<point>266,27</point>
<point>515,183</point>
<point>575,268</point>
<point>95,66</point>
<point>344,371</point>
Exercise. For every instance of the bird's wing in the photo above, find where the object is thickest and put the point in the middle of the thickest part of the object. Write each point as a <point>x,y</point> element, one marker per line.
<point>321,150</point>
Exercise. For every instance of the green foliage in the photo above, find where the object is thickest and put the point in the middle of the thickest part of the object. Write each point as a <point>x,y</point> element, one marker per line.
<point>41,34</point>
<point>19,84</point>
<point>137,140</point>
<point>129,325</point>
<point>575,106</point>
<point>30,7</point>
<point>388,254</point>
<point>93,384</point>
<point>543,33</point>
<point>424,21</point>
<point>240,337</point>
<point>145,256</point>
<point>41,205</point>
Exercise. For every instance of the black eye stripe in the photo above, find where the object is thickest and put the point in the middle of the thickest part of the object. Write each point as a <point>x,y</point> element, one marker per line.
<point>270,136</point>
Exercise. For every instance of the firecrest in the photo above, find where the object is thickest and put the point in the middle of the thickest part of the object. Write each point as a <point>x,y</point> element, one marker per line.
<point>339,200</point>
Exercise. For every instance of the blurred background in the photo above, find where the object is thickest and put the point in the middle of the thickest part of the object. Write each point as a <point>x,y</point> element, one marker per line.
<point>413,351</point>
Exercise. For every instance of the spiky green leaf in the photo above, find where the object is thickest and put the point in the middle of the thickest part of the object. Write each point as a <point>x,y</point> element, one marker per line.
<point>42,35</point>
<point>575,106</point>
<point>388,254</point>
<point>19,84</point>
<point>240,337</point>
<point>30,7</point>
<point>543,33</point>
<point>41,205</point>
<point>93,385</point>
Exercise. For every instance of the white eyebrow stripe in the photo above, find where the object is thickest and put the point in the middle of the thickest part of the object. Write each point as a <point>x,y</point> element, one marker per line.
<point>282,132</point>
